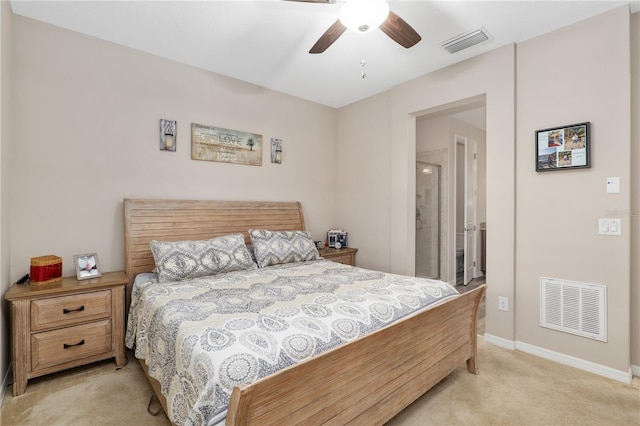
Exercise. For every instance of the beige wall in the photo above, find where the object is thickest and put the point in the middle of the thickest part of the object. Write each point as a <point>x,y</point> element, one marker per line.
<point>394,204</point>
<point>492,75</point>
<point>634,212</point>
<point>86,120</point>
<point>85,117</point>
<point>602,97</point>
<point>363,185</point>
<point>5,138</point>
<point>561,80</point>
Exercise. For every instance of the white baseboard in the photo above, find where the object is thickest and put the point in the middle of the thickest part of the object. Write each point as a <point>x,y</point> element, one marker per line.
<point>499,341</point>
<point>592,367</point>
<point>581,364</point>
<point>635,369</point>
<point>5,382</point>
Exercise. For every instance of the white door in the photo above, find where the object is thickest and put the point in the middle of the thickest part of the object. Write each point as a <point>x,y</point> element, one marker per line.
<point>470,208</point>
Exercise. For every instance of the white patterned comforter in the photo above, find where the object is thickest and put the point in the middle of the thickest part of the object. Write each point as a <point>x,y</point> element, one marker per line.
<point>200,338</point>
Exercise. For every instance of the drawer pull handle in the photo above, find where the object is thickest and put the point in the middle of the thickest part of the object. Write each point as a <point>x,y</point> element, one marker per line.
<point>67,346</point>
<point>66,311</point>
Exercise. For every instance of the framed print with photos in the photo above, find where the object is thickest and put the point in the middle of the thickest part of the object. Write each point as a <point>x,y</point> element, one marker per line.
<point>565,147</point>
<point>86,266</point>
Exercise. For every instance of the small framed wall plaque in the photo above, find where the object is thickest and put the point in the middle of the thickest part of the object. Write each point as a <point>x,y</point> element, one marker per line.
<point>565,147</point>
<point>276,151</point>
<point>168,135</point>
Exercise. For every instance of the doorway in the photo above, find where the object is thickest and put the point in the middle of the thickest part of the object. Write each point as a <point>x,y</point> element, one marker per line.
<point>437,135</point>
<point>427,220</point>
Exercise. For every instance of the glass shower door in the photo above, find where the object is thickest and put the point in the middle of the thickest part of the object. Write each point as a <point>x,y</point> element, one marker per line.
<point>427,220</point>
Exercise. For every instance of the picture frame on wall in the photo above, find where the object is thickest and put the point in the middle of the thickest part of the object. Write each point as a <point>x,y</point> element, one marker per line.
<point>276,151</point>
<point>209,143</point>
<point>87,266</point>
<point>168,135</point>
<point>561,148</point>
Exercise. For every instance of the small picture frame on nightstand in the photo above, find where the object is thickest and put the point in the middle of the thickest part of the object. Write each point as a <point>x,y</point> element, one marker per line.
<point>337,239</point>
<point>87,266</point>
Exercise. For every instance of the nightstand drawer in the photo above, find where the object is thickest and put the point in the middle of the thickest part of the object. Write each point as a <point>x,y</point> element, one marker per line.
<point>347,259</point>
<point>69,310</point>
<point>56,347</point>
<point>346,255</point>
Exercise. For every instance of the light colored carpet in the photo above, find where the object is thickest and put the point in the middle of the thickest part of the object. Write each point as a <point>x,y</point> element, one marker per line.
<point>96,394</point>
<point>513,388</point>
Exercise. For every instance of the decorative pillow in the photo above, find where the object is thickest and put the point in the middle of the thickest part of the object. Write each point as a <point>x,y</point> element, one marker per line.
<point>276,247</point>
<point>182,260</point>
<point>252,253</point>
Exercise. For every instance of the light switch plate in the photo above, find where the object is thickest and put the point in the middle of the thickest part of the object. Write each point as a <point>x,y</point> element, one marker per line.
<point>610,226</point>
<point>613,185</point>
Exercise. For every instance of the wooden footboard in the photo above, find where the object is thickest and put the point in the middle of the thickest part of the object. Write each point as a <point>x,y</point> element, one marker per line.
<point>371,379</point>
<point>367,381</point>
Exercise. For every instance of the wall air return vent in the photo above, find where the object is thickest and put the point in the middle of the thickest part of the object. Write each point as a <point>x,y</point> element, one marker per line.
<point>465,40</point>
<point>573,307</point>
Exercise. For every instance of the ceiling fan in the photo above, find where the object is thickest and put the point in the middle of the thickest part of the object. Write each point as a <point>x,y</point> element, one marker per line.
<point>363,16</point>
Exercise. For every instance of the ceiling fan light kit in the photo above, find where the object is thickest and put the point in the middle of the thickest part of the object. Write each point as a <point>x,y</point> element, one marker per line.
<point>363,15</point>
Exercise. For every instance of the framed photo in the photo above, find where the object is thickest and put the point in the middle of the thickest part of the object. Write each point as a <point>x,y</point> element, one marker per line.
<point>337,239</point>
<point>565,147</point>
<point>86,266</point>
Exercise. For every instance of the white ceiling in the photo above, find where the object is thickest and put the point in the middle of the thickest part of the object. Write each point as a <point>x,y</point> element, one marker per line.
<point>267,42</point>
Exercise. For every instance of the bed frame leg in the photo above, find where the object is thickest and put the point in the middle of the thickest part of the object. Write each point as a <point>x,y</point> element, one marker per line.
<point>152,400</point>
<point>472,365</point>
<point>472,362</point>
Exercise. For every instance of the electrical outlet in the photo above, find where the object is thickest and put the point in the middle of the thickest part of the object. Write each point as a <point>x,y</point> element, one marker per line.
<point>503,303</point>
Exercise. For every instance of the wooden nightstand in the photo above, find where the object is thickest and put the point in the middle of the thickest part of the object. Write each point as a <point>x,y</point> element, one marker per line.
<point>65,324</point>
<point>345,255</point>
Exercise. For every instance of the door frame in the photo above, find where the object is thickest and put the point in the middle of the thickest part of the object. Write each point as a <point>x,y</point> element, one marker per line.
<point>470,147</point>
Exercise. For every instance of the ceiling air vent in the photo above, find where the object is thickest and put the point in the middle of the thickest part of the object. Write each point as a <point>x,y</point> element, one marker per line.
<point>465,40</point>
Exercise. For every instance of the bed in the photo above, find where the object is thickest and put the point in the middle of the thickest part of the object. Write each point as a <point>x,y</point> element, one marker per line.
<point>366,377</point>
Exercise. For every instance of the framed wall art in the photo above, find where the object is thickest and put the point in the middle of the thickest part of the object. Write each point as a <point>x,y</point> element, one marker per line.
<point>168,135</point>
<point>210,143</point>
<point>276,151</point>
<point>566,147</point>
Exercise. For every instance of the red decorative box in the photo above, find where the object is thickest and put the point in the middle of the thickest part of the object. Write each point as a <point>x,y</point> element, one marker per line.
<point>45,269</point>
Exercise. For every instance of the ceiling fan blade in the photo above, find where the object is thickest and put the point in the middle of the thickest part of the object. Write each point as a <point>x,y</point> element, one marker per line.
<point>328,37</point>
<point>313,1</point>
<point>399,31</point>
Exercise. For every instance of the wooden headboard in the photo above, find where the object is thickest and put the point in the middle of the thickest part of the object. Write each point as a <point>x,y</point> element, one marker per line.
<point>178,220</point>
